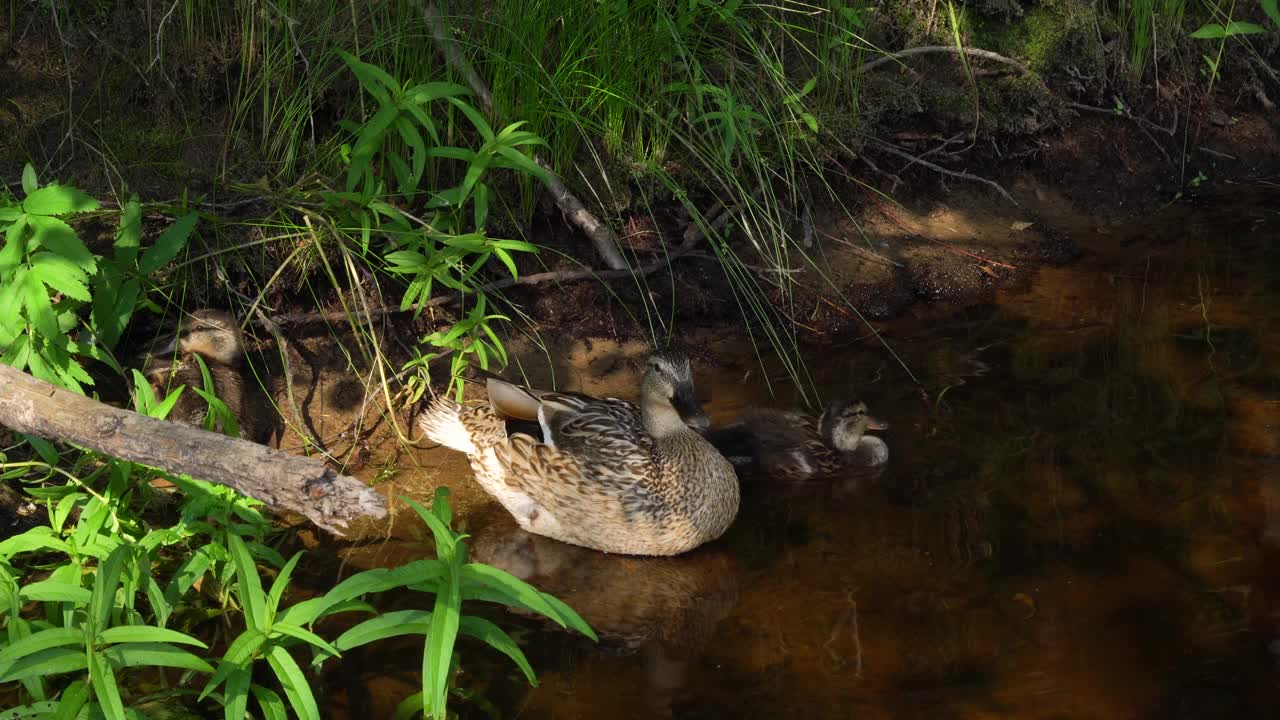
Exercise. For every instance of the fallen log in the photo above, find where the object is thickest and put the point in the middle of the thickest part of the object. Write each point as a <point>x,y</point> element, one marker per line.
<point>281,480</point>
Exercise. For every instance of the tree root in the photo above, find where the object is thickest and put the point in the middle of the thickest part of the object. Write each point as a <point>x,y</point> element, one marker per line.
<point>944,171</point>
<point>926,49</point>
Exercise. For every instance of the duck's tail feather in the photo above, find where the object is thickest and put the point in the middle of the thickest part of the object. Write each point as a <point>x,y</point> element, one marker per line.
<point>443,423</point>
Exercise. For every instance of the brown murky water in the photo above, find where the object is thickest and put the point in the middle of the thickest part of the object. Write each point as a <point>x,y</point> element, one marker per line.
<point>1081,518</point>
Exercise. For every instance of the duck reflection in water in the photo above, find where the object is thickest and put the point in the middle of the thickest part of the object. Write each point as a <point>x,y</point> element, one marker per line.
<point>664,609</point>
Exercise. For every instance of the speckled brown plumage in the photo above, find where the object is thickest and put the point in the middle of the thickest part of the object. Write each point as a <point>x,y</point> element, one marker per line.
<point>215,336</point>
<point>791,446</point>
<point>605,474</point>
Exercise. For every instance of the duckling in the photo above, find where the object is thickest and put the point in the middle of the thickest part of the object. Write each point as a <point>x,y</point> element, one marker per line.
<point>215,336</point>
<point>791,446</point>
<point>604,474</point>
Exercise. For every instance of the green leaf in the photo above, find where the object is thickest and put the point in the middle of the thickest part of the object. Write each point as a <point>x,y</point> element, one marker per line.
<point>271,704</point>
<point>103,679</point>
<point>114,298</point>
<point>475,117</point>
<point>1240,27</point>
<point>294,683</point>
<point>251,595</point>
<point>60,238</point>
<point>71,700</point>
<point>520,161</point>
<point>374,79</point>
<point>1210,31</point>
<point>506,260</point>
<point>427,92</point>
<point>54,661</point>
<point>510,590</point>
<point>37,539</point>
<point>236,695</point>
<point>147,634</point>
<point>15,245</point>
<point>413,139</point>
<point>56,591</point>
<point>1272,11</point>
<point>388,625</point>
<point>305,636</point>
<point>281,582</point>
<point>494,637</point>
<point>29,183</point>
<point>58,200</point>
<point>39,309</point>
<point>168,245</point>
<point>129,234</point>
<point>61,274</point>
<point>152,654</point>
<point>16,650</point>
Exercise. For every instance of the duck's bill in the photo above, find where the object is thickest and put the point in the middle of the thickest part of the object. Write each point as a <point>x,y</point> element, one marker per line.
<point>686,403</point>
<point>876,424</point>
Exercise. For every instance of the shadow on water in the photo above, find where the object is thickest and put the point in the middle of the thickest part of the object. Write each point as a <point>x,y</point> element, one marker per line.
<point>1081,519</point>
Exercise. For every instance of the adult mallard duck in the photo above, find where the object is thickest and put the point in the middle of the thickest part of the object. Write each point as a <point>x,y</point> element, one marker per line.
<point>215,336</point>
<point>791,446</point>
<point>604,474</point>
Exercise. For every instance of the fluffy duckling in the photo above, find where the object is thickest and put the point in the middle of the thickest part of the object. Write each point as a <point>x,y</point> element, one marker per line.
<point>215,336</point>
<point>791,446</point>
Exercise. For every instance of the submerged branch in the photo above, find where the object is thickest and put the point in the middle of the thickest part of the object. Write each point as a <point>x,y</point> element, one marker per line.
<point>282,481</point>
<point>602,236</point>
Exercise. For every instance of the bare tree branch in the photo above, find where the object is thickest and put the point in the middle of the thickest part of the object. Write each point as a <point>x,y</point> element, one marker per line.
<point>282,481</point>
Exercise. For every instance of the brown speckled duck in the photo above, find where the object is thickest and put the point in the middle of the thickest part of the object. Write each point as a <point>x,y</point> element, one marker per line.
<point>791,446</point>
<point>215,336</point>
<point>604,474</point>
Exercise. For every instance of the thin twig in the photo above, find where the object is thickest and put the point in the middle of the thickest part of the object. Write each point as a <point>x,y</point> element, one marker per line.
<point>953,173</point>
<point>924,49</point>
<point>601,235</point>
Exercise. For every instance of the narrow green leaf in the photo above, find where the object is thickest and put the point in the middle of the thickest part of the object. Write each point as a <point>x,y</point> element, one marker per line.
<point>105,583</point>
<point>515,591</point>
<point>305,636</point>
<point>496,638</point>
<point>281,582</point>
<point>1210,31</point>
<point>294,682</point>
<point>251,595</point>
<point>147,634</point>
<point>17,650</point>
<point>388,625</point>
<point>523,162</point>
<point>153,654</point>
<point>236,694</point>
<point>73,697</point>
<point>103,679</point>
<point>475,117</point>
<point>54,661</point>
<point>56,591</point>
<point>272,706</point>
<point>168,245</point>
<point>129,233</point>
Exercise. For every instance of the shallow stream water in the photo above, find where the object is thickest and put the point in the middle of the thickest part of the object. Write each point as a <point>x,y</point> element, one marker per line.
<point>1081,518</point>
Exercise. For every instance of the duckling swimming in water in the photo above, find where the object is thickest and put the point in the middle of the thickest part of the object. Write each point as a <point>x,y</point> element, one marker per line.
<point>604,474</point>
<point>215,336</point>
<point>791,446</point>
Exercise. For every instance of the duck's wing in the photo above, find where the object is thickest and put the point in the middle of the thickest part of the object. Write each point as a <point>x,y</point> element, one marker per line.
<point>598,462</point>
